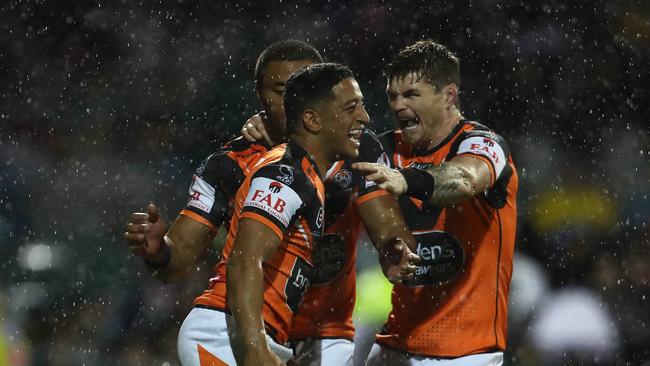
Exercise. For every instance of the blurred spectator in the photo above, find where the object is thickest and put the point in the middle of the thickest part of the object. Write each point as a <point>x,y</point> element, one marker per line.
<point>574,326</point>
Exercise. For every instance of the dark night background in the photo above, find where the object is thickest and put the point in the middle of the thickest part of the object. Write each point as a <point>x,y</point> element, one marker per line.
<point>105,106</point>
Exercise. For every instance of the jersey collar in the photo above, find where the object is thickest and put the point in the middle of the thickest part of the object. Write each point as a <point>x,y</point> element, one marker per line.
<point>298,153</point>
<point>451,135</point>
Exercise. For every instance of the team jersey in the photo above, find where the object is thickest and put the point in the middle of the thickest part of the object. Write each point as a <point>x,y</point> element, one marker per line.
<point>326,310</point>
<point>217,180</point>
<point>285,193</point>
<point>457,303</point>
<point>327,307</point>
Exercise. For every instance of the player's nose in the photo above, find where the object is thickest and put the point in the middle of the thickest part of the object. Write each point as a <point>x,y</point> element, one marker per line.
<point>363,117</point>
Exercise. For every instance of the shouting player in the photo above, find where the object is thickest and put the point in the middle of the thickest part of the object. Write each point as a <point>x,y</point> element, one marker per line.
<point>458,186</point>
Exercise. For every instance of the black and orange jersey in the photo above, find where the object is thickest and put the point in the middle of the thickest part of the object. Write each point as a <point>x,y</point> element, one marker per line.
<point>333,276</point>
<point>285,193</point>
<point>457,303</point>
<point>216,181</point>
<point>326,310</point>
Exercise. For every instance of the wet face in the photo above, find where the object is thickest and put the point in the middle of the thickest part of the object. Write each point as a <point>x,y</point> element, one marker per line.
<point>418,107</point>
<point>271,89</point>
<point>343,120</point>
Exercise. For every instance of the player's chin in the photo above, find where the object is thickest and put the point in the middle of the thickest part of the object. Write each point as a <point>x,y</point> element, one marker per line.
<point>413,139</point>
<point>348,153</point>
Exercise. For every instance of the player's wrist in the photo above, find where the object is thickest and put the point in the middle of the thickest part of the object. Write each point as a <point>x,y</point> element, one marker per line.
<point>419,183</point>
<point>160,259</point>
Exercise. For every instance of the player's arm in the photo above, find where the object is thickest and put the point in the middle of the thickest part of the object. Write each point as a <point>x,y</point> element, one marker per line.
<point>382,217</point>
<point>480,158</point>
<point>448,183</point>
<point>458,180</point>
<point>254,243</point>
<point>169,254</point>
<point>385,225</point>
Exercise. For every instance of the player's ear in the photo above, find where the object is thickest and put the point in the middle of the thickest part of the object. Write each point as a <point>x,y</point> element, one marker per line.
<point>452,94</point>
<point>312,121</point>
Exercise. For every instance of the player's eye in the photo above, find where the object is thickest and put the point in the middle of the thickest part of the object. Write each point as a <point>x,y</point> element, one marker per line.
<point>351,107</point>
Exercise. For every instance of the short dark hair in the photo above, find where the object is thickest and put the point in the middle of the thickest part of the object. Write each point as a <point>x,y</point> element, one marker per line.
<point>310,85</point>
<point>427,59</point>
<point>285,50</point>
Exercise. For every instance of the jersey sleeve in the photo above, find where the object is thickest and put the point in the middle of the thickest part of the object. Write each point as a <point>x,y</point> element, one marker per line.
<point>277,195</point>
<point>488,146</point>
<point>371,151</point>
<point>213,186</point>
<point>493,149</point>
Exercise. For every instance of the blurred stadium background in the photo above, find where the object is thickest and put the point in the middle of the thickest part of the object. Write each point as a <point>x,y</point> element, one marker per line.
<point>106,106</point>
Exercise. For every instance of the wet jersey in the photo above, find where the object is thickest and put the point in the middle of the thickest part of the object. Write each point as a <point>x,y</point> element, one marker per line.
<point>326,310</point>
<point>217,180</point>
<point>457,303</point>
<point>285,193</point>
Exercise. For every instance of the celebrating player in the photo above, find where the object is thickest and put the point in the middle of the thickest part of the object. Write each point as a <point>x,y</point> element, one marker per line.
<point>319,334</point>
<point>279,217</point>
<point>458,187</point>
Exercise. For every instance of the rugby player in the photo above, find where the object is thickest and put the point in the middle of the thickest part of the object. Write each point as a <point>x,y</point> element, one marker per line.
<point>170,256</point>
<point>246,313</point>
<point>457,185</point>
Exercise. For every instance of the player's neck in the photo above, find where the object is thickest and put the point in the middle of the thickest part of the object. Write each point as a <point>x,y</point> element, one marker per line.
<point>316,152</point>
<point>277,135</point>
<point>444,129</point>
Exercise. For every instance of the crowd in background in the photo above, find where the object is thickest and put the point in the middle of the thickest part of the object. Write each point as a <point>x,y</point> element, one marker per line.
<point>107,106</point>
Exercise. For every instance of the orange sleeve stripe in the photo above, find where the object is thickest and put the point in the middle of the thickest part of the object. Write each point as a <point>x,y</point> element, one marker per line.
<point>493,176</point>
<point>200,219</point>
<point>265,221</point>
<point>368,196</point>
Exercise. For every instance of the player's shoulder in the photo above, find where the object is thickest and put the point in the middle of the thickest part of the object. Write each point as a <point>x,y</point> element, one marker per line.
<point>280,176</point>
<point>230,154</point>
<point>475,129</point>
<point>240,145</point>
<point>281,165</point>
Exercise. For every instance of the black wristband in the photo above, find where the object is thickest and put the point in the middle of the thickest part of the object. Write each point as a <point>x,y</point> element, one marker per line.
<point>159,264</point>
<point>420,184</point>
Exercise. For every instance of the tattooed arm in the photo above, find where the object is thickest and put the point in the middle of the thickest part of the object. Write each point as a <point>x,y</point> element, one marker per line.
<point>453,182</point>
<point>458,180</point>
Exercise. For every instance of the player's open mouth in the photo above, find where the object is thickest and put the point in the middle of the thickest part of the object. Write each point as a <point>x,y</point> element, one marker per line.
<point>355,135</point>
<point>409,123</point>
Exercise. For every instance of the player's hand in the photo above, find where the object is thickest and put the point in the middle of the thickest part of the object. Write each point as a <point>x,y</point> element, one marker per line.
<point>255,130</point>
<point>386,178</point>
<point>397,261</point>
<point>146,232</point>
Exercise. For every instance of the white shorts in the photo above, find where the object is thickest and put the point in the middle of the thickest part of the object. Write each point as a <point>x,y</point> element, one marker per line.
<point>323,352</point>
<point>205,339</point>
<point>383,356</point>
